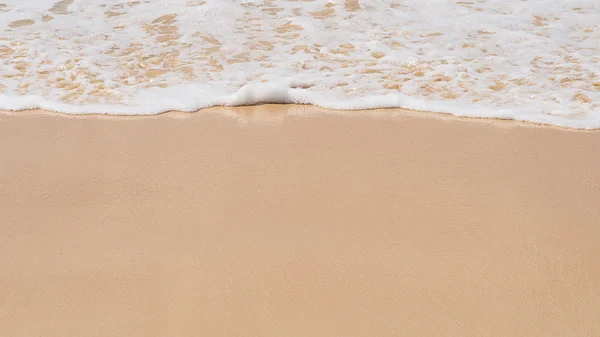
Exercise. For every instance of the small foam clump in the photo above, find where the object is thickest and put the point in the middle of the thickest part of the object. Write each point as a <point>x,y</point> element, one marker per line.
<point>522,60</point>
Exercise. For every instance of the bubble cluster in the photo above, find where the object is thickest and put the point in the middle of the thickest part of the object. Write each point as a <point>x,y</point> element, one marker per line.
<point>538,61</point>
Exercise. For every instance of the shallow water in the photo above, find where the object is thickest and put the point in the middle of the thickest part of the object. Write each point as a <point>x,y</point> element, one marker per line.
<point>530,61</point>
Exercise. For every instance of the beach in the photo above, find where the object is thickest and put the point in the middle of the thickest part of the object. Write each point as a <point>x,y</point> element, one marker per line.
<point>287,220</point>
<point>309,168</point>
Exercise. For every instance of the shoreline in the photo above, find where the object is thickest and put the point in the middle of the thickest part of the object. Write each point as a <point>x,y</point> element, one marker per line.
<point>281,110</point>
<point>280,220</point>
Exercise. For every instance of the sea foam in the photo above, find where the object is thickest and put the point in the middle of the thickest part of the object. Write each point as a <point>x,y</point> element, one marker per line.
<point>533,60</point>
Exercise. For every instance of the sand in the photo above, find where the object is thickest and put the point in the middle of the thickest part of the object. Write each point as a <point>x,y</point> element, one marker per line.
<point>271,223</point>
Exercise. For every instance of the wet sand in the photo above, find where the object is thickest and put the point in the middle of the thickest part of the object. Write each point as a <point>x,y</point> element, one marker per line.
<point>271,223</point>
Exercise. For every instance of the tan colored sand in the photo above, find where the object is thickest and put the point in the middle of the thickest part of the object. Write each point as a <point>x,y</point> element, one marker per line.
<point>279,225</point>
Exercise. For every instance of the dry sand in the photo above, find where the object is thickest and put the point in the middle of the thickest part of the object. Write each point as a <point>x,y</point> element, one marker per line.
<point>270,224</point>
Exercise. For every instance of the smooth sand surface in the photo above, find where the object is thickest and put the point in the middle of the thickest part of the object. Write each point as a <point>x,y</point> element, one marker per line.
<point>272,224</point>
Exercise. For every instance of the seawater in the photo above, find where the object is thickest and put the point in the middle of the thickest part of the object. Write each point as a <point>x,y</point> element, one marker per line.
<point>534,60</point>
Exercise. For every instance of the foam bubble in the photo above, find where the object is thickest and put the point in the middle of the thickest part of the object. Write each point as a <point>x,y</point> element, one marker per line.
<point>530,61</point>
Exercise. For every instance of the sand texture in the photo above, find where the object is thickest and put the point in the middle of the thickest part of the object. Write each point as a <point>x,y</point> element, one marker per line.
<point>274,224</point>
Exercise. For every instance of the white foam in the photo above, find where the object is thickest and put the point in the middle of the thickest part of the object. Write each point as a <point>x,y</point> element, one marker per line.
<point>533,61</point>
